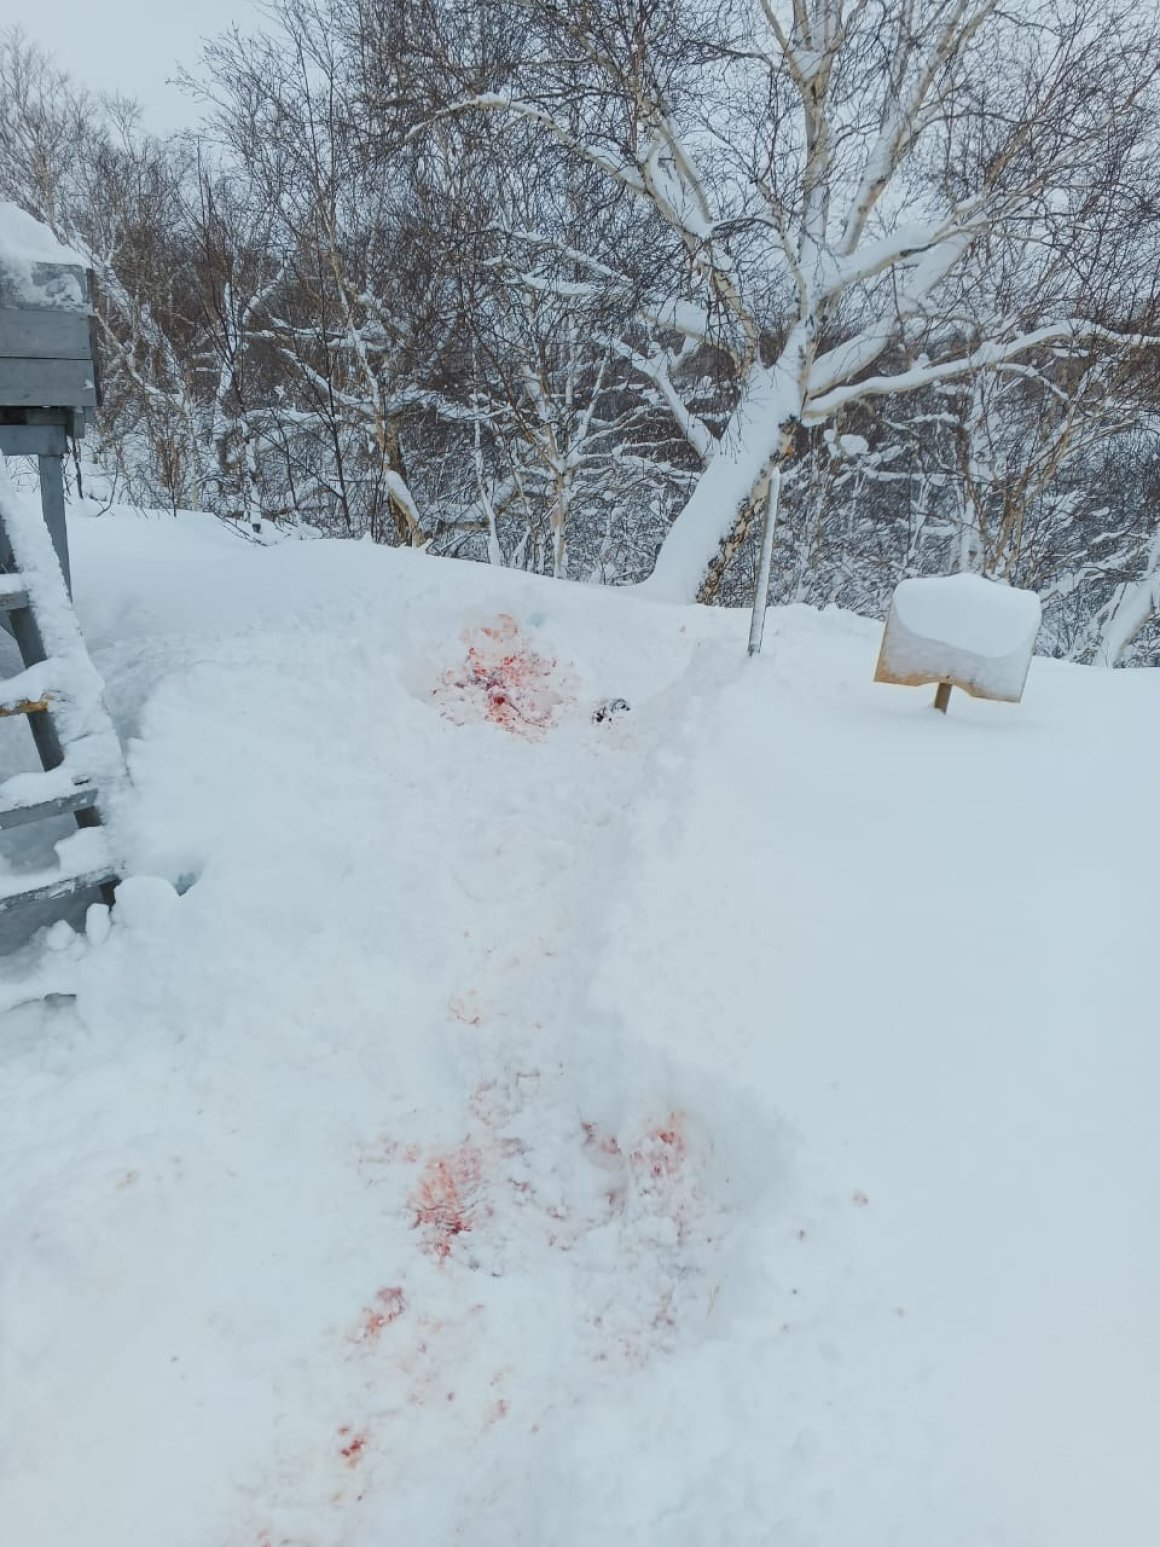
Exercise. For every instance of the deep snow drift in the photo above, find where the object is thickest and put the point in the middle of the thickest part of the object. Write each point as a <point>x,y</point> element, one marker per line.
<point>728,1121</point>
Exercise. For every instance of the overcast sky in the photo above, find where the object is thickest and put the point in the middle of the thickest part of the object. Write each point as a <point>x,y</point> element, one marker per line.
<point>131,46</point>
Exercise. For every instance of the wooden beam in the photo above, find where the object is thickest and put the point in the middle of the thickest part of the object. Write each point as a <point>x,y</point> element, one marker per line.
<point>59,805</point>
<point>29,383</point>
<point>33,440</point>
<point>45,335</point>
<point>52,504</point>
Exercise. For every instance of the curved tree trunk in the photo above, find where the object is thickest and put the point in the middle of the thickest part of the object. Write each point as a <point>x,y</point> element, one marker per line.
<point>704,539</point>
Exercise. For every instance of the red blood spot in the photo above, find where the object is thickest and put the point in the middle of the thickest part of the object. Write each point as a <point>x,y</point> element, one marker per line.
<point>603,1143</point>
<point>662,1151</point>
<point>390,1305</point>
<point>443,1202</point>
<point>352,1451</point>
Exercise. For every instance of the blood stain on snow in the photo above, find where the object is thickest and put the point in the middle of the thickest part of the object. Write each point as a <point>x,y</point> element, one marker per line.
<point>504,682</point>
<point>444,1202</point>
<point>352,1451</point>
<point>390,1303</point>
<point>663,1149</point>
<point>657,1201</point>
<point>603,1143</point>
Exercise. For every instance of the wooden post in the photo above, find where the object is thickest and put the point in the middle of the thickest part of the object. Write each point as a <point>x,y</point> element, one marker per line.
<point>942,697</point>
<point>761,595</point>
<point>52,504</point>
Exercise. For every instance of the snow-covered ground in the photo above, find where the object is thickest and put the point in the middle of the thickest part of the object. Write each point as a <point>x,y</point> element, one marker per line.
<point>727,1122</point>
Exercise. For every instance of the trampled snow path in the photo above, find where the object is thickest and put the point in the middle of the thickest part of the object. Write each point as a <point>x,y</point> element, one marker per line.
<point>729,1123</point>
<point>364,1200</point>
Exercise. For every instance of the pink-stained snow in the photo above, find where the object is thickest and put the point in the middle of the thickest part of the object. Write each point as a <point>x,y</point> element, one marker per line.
<point>977,632</point>
<point>503,679</point>
<point>731,1122</point>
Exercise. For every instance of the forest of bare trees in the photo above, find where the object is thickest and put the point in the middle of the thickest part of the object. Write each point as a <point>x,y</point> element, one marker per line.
<point>559,285</point>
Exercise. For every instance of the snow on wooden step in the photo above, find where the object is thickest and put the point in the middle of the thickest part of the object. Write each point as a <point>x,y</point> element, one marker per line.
<point>78,694</point>
<point>28,797</point>
<point>974,633</point>
<point>12,593</point>
<point>35,686</point>
<point>84,859</point>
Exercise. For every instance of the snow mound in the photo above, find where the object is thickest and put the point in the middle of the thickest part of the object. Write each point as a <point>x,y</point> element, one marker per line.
<point>975,633</point>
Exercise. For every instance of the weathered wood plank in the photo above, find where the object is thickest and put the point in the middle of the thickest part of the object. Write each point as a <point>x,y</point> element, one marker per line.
<point>52,504</point>
<point>33,440</point>
<point>60,805</point>
<point>24,706</point>
<point>47,384</point>
<point>44,887</point>
<point>13,596</point>
<point>45,335</point>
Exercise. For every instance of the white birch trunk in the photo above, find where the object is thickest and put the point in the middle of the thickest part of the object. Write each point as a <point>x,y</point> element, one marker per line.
<point>1137,602</point>
<point>753,442</point>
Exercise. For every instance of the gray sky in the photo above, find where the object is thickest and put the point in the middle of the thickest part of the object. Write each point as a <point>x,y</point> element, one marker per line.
<point>131,46</point>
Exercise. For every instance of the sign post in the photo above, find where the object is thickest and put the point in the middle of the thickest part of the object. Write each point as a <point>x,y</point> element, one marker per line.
<point>761,595</point>
<point>960,631</point>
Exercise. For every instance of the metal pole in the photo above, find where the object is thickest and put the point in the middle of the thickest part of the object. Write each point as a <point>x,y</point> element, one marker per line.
<point>761,596</point>
<point>52,504</point>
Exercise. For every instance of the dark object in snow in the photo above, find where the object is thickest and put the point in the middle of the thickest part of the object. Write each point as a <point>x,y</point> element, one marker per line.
<point>611,707</point>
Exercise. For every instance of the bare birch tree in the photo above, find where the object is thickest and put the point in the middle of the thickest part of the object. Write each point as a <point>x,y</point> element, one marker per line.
<point>828,167</point>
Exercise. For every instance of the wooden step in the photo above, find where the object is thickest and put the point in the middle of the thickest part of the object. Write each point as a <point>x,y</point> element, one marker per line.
<point>13,596</point>
<point>28,692</point>
<point>10,707</point>
<point>50,886</point>
<point>82,798</point>
<point>83,862</point>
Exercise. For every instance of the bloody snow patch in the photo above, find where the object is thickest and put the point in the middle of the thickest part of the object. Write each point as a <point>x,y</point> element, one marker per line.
<point>390,1303</point>
<point>669,1227</point>
<point>505,681</point>
<point>663,1150</point>
<point>352,1446</point>
<point>445,1201</point>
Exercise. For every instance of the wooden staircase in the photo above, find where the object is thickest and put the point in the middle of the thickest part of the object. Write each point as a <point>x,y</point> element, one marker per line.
<point>60,695</point>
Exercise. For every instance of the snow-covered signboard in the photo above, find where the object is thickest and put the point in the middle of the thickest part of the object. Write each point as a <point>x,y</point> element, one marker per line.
<point>960,631</point>
<point>46,346</point>
<point>36,271</point>
<point>48,369</point>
